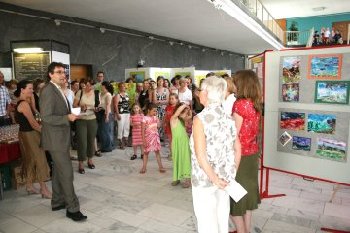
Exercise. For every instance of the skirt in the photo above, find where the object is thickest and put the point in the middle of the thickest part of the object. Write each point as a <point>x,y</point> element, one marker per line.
<point>247,176</point>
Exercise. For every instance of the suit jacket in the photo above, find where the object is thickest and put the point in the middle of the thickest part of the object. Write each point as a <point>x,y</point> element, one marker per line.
<point>55,132</point>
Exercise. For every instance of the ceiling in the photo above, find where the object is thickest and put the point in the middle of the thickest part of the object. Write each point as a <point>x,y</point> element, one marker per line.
<point>195,21</point>
<point>304,8</point>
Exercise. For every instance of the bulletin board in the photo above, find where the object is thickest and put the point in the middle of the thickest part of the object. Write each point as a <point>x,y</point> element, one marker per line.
<point>307,112</point>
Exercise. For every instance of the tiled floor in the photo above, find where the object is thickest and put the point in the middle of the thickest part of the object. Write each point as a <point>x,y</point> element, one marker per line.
<point>117,198</point>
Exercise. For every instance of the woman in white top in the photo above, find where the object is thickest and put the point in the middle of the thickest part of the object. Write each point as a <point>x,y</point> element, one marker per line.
<point>105,131</point>
<point>216,155</point>
<point>185,94</point>
<point>86,126</point>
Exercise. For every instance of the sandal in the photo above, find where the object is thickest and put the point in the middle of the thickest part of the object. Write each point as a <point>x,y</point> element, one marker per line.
<point>142,156</point>
<point>143,170</point>
<point>133,157</point>
<point>98,153</point>
<point>162,170</point>
<point>81,171</point>
<point>174,183</point>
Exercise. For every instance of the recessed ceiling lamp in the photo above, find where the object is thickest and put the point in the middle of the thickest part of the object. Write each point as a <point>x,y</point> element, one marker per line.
<point>321,8</point>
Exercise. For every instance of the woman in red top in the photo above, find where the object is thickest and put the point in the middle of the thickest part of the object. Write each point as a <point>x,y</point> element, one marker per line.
<point>247,112</point>
<point>169,111</point>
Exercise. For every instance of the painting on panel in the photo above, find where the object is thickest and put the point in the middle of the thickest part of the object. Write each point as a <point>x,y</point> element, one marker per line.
<point>290,92</point>
<point>331,149</point>
<point>292,120</point>
<point>325,66</point>
<point>321,123</point>
<point>301,143</point>
<point>285,138</point>
<point>291,70</point>
<point>332,92</point>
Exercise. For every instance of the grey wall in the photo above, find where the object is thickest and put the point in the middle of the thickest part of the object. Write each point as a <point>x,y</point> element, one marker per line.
<point>111,52</point>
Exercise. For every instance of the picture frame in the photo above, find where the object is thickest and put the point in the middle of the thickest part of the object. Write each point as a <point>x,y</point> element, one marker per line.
<point>301,143</point>
<point>292,121</point>
<point>321,123</point>
<point>332,92</point>
<point>285,138</point>
<point>327,66</point>
<point>331,149</point>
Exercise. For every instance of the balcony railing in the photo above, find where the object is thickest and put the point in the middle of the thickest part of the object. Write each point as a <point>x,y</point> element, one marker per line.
<point>258,9</point>
<point>299,38</point>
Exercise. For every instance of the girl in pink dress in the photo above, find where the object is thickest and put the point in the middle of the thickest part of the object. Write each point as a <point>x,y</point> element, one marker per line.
<point>150,137</point>
<point>136,121</point>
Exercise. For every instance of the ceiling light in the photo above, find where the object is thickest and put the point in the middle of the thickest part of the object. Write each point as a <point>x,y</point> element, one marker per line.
<point>102,30</point>
<point>222,53</point>
<point>151,37</point>
<point>321,8</point>
<point>171,43</point>
<point>190,46</point>
<point>28,50</point>
<point>203,50</point>
<point>181,43</point>
<point>57,22</point>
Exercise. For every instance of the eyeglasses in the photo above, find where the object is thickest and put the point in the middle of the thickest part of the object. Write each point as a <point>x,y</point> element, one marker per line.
<point>59,72</point>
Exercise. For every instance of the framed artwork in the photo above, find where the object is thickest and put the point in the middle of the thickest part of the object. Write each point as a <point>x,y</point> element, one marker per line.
<point>332,92</point>
<point>290,92</point>
<point>138,76</point>
<point>301,143</point>
<point>292,120</point>
<point>321,123</point>
<point>285,138</point>
<point>331,149</point>
<point>290,70</point>
<point>325,66</point>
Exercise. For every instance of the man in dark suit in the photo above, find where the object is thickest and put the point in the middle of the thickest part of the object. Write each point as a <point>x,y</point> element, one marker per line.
<point>55,138</point>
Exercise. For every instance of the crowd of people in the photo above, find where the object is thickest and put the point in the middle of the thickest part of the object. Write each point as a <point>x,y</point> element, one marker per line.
<point>327,37</point>
<point>211,130</point>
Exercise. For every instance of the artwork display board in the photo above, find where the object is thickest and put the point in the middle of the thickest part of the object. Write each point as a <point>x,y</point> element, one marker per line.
<point>307,112</point>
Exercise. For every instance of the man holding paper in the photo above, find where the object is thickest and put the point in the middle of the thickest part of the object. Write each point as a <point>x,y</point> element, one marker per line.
<point>215,158</point>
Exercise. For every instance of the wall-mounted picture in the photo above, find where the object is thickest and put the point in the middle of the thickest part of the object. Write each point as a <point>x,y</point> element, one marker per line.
<point>292,120</point>
<point>331,149</point>
<point>138,76</point>
<point>290,92</point>
<point>285,138</point>
<point>290,70</point>
<point>325,66</point>
<point>301,143</point>
<point>321,123</point>
<point>332,92</point>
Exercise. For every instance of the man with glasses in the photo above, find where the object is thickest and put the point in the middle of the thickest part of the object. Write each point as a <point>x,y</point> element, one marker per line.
<point>4,102</point>
<point>99,79</point>
<point>55,138</point>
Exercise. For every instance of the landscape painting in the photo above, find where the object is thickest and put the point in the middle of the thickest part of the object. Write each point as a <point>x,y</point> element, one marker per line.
<point>291,70</point>
<point>332,92</point>
<point>325,66</point>
<point>301,143</point>
<point>290,92</point>
<point>292,120</point>
<point>285,138</point>
<point>331,149</point>
<point>321,123</point>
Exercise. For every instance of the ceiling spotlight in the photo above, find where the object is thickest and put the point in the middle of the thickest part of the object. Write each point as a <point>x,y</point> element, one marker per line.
<point>190,46</point>
<point>57,22</point>
<point>151,37</point>
<point>102,30</point>
<point>171,43</point>
<point>181,43</point>
<point>222,53</point>
<point>322,8</point>
<point>203,50</point>
<point>230,54</point>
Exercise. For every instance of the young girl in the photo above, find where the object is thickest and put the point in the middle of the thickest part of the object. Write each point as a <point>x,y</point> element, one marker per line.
<point>135,122</point>
<point>169,111</point>
<point>180,146</point>
<point>150,136</point>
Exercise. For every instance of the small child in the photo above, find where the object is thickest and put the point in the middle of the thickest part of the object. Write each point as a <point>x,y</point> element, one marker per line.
<point>169,111</point>
<point>180,146</point>
<point>135,122</point>
<point>150,136</point>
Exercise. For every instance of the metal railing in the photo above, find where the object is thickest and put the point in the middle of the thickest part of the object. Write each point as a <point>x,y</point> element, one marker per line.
<point>258,9</point>
<point>299,38</point>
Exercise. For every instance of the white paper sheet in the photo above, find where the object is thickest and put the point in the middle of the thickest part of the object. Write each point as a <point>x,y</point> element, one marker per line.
<point>236,191</point>
<point>76,111</point>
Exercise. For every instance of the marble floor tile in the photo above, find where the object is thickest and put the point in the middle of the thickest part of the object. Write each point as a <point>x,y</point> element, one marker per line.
<point>66,225</point>
<point>300,204</point>
<point>337,210</point>
<point>15,225</point>
<point>281,226</point>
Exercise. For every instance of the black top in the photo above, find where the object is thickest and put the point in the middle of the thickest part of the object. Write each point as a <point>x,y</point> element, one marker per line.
<point>24,125</point>
<point>36,98</point>
<point>123,105</point>
<point>143,98</point>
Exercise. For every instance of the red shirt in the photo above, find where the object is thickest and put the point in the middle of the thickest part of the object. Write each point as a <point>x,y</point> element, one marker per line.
<point>250,125</point>
<point>169,110</point>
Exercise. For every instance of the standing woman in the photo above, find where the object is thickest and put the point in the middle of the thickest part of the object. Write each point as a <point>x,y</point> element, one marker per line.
<point>215,158</point>
<point>247,112</point>
<point>144,96</point>
<point>86,125</point>
<point>34,165</point>
<point>105,120</point>
<point>161,99</point>
<point>122,113</point>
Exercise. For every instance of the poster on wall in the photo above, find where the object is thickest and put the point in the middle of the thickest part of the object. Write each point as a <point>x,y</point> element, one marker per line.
<point>331,149</point>
<point>321,123</point>
<point>138,76</point>
<point>325,66</point>
<point>30,66</point>
<point>285,138</point>
<point>332,92</point>
<point>290,92</point>
<point>291,70</point>
<point>292,120</point>
<point>301,143</point>
<point>165,74</point>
